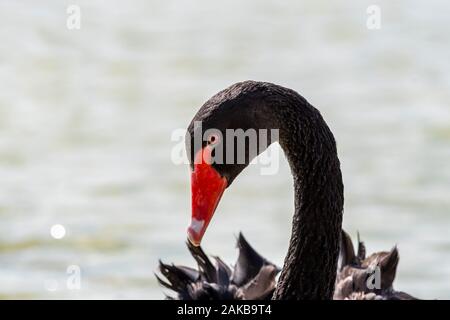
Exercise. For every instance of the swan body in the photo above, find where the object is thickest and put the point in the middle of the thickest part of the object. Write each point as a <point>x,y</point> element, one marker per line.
<point>251,278</point>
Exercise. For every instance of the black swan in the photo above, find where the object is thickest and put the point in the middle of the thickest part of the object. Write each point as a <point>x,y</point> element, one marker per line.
<point>309,270</point>
<point>310,266</point>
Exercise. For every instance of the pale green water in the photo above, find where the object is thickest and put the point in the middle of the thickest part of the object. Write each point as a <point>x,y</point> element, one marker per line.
<point>86,118</point>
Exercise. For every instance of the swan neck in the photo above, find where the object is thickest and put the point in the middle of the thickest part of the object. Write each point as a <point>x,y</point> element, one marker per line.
<point>310,266</point>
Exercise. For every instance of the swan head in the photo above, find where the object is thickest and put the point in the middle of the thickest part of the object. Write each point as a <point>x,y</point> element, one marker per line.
<point>222,139</point>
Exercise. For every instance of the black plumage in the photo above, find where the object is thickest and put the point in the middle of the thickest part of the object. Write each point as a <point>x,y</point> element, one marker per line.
<point>353,282</point>
<point>251,278</point>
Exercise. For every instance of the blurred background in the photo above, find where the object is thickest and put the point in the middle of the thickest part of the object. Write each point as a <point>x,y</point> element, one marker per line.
<point>86,118</point>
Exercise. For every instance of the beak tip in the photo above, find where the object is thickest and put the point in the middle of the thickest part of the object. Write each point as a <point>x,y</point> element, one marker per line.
<point>194,243</point>
<point>193,237</point>
<point>195,231</point>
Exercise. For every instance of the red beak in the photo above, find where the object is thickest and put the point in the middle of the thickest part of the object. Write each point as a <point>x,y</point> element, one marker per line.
<point>207,187</point>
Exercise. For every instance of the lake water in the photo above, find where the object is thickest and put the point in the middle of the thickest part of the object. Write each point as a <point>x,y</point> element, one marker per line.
<point>86,118</point>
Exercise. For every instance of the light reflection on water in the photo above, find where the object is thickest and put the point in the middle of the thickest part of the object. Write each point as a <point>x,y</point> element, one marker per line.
<point>86,118</point>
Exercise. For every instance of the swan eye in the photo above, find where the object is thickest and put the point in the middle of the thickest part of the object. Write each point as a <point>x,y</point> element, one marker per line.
<point>213,139</point>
